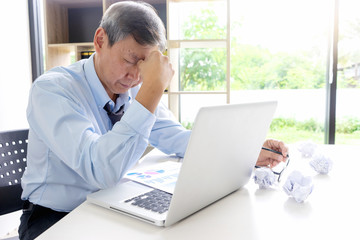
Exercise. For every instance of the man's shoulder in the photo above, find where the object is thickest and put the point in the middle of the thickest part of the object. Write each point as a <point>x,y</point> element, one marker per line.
<point>63,77</point>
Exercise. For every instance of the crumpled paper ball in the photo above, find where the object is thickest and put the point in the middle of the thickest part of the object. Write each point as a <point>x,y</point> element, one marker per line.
<point>321,163</point>
<point>298,186</point>
<point>264,177</point>
<point>307,148</point>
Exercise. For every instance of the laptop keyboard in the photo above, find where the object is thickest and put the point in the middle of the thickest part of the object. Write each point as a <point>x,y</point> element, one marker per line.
<point>155,200</point>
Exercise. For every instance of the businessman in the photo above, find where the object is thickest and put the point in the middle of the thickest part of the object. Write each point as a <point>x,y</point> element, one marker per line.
<point>90,122</point>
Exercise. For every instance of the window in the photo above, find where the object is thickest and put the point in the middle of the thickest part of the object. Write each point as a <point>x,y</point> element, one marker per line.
<point>278,51</point>
<point>198,34</point>
<point>348,74</point>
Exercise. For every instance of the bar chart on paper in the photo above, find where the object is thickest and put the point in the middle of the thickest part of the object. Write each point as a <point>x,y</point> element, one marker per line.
<point>162,176</point>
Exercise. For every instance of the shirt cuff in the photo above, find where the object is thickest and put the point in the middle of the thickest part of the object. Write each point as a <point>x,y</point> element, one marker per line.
<point>138,118</point>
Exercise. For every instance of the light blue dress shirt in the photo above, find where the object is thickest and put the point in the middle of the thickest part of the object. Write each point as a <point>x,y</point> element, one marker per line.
<point>73,148</point>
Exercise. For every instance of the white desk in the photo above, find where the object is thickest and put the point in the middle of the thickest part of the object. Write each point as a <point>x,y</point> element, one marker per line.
<point>330,212</point>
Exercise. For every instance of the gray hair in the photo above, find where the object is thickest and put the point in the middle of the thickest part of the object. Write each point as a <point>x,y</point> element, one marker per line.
<point>137,19</point>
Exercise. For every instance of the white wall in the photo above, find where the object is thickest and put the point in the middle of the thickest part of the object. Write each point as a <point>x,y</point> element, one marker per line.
<point>15,78</point>
<point>15,64</point>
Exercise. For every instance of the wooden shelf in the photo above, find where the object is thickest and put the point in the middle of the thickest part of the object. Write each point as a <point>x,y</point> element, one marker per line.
<point>60,40</point>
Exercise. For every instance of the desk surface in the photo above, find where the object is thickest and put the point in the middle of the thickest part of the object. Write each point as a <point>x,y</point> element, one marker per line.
<point>330,212</point>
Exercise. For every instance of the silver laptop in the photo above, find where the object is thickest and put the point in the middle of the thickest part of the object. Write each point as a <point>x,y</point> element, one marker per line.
<point>222,151</point>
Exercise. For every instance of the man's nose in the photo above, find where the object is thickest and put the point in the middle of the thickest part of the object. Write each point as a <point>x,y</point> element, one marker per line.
<point>134,72</point>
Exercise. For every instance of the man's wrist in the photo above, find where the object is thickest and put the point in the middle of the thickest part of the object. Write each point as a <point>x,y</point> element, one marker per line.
<point>149,97</point>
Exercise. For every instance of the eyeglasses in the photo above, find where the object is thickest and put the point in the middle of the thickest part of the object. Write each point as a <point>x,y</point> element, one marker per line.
<point>278,169</point>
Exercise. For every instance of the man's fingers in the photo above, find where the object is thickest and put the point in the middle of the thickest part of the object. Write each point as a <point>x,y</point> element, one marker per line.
<point>274,156</point>
<point>278,146</point>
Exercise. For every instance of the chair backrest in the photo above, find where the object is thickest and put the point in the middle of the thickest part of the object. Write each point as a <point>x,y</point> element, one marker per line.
<point>13,150</point>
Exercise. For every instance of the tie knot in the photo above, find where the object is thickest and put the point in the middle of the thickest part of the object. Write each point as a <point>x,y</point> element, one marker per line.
<point>107,107</point>
<point>114,117</point>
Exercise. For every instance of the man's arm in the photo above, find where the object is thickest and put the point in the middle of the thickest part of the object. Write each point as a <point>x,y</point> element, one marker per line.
<point>57,117</point>
<point>155,73</point>
<point>168,134</point>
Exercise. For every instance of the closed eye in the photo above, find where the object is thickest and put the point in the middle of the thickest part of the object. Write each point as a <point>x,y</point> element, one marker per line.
<point>129,62</point>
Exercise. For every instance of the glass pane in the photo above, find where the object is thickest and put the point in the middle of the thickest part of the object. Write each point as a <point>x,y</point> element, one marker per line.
<point>203,69</point>
<point>348,78</point>
<point>197,20</point>
<point>165,99</point>
<point>279,52</point>
<point>191,103</point>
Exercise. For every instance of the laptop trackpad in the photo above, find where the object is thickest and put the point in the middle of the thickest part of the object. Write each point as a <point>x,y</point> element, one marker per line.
<point>128,189</point>
<point>124,190</point>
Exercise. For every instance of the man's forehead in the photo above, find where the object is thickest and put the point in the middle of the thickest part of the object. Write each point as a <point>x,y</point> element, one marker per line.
<point>141,54</point>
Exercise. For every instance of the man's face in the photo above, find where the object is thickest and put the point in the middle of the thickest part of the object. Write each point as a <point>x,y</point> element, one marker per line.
<point>116,66</point>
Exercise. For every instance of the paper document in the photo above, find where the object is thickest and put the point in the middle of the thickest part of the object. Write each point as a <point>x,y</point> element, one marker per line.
<point>162,176</point>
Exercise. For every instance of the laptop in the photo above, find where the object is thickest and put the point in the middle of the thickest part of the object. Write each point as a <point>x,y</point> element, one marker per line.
<point>222,151</point>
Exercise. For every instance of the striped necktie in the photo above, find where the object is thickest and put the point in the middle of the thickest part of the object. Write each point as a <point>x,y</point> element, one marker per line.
<point>114,117</point>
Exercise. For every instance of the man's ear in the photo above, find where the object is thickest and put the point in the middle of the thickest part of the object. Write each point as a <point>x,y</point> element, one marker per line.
<point>99,39</point>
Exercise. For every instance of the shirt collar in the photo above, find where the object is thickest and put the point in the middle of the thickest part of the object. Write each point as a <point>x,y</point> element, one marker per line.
<point>98,90</point>
<point>121,100</point>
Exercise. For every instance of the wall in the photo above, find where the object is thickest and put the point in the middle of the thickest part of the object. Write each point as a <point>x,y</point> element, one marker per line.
<point>15,68</point>
<point>15,78</point>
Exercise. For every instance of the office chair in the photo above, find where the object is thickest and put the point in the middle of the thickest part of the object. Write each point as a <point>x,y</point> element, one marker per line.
<point>13,149</point>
